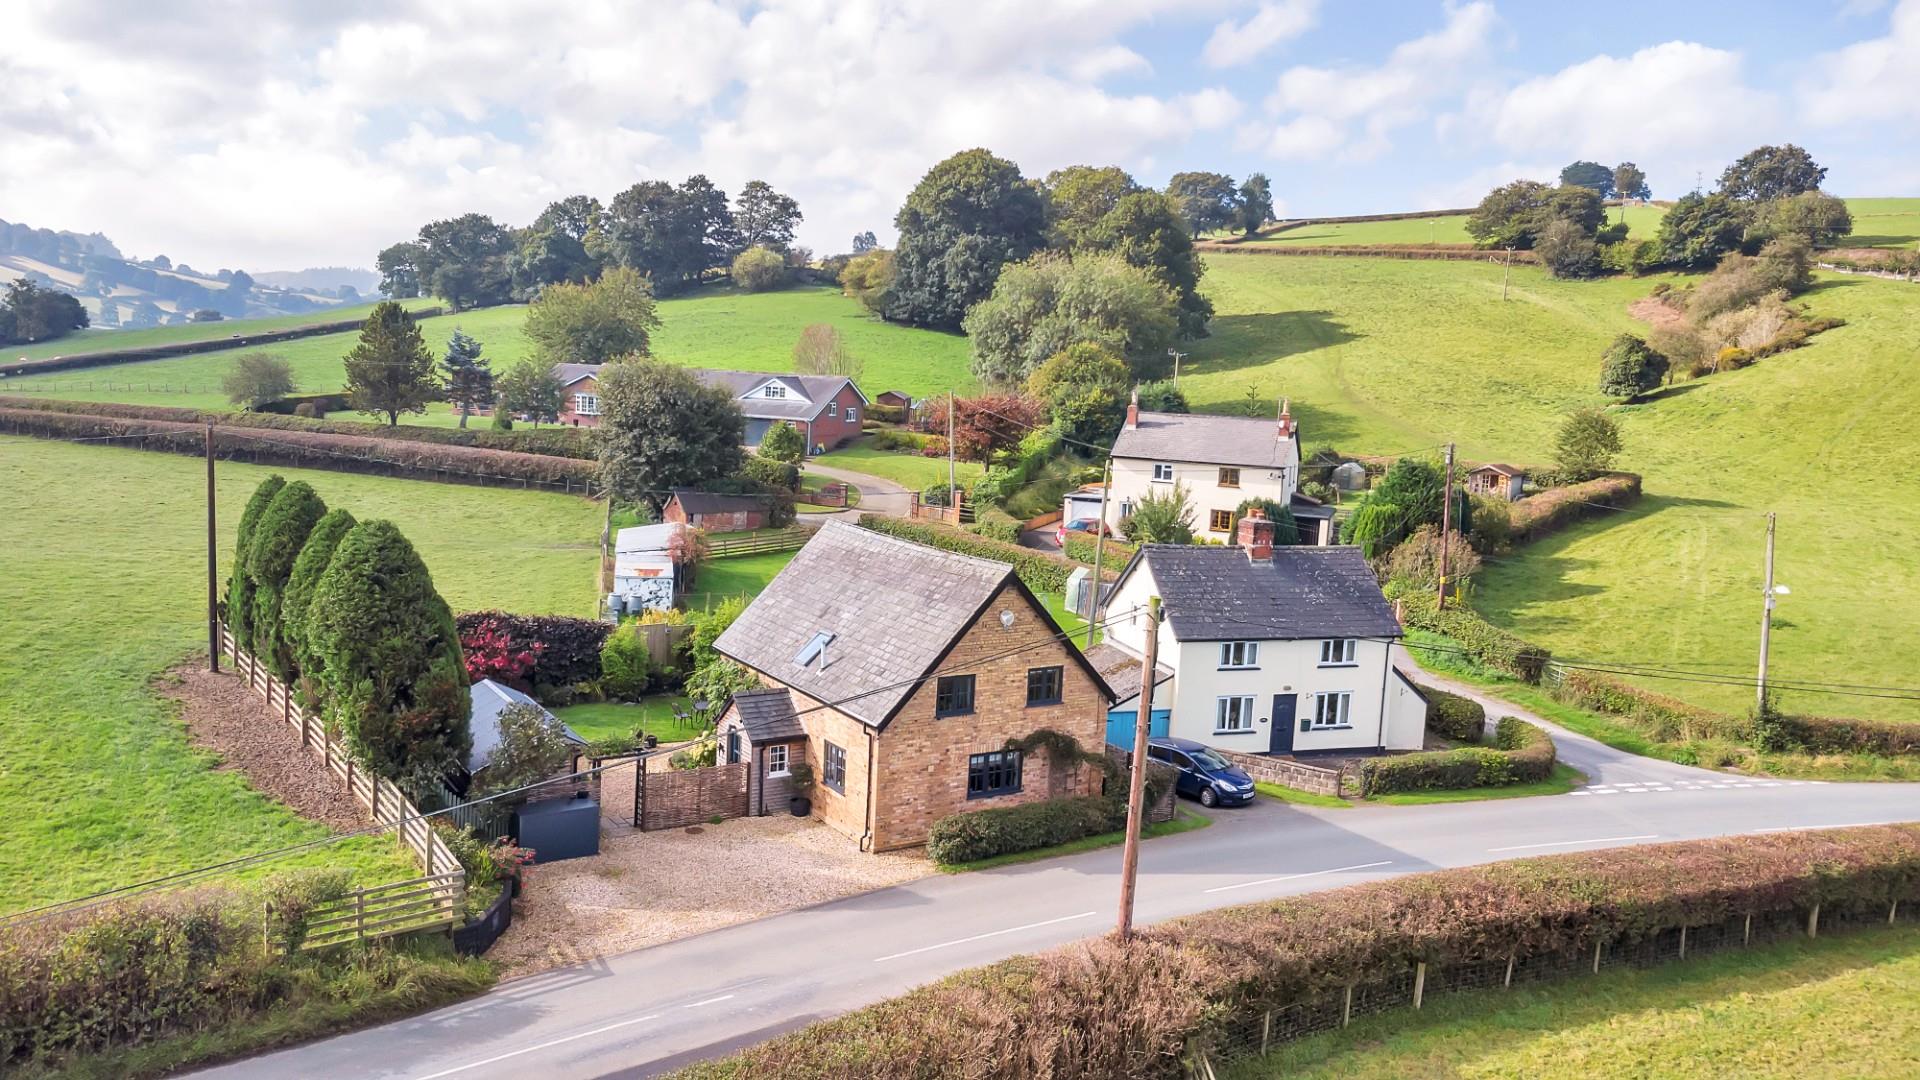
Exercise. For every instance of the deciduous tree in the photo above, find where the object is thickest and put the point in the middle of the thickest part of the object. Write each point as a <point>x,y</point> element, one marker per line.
<point>822,351</point>
<point>1208,200</point>
<point>399,266</point>
<point>1772,172</point>
<point>530,389</point>
<point>1629,182</point>
<point>783,443</point>
<point>1145,229</point>
<point>1049,302</point>
<point>1814,216</point>
<point>1586,444</point>
<point>864,242</point>
<point>673,235</point>
<point>759,269</point>
<point>969,216</point>
<point>257,379</point>
<point>868,278</point>
<point>1078,197</point>
<point>1588,174</point>
<point>390,371</point>
<point>1256,203</point>
<point>467,261</point>
<point>1699,229</point>
<point>763,217</point>
<point>613,316</point>
<point>661,429</point>
<point>1084,388</point>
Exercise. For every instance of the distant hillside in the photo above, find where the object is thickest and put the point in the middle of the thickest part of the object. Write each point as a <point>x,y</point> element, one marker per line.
<point>322,279</point>
<point>120,292</point>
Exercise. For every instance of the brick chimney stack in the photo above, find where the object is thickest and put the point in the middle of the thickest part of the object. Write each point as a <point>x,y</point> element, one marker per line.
<point>1133,409</point>
<point>1256,535</point>
<point>1286,428</point>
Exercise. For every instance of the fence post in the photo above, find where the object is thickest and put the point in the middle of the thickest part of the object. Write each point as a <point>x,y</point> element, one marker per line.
<point>360,914</point>
<point>1683,943</point>
<point>1596,957</point>
<point>1892,911</point>
<point>1346,1010</point>
<point>1419,982</point>
<point>1507,983</point>
<point>1813,922</point>
<point>1746,938</point>
<point>1266,1031</point>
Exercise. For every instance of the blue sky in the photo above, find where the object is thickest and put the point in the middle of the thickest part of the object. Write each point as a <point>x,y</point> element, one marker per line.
<point>323,132</point>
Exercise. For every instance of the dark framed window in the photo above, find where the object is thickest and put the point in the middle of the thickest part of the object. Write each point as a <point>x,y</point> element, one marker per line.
<point>993,774</point>
<point>1220,521</point>
<point>1229,477</point>
<point>833,767</point>
<point>1043,685</point>
<point>953,695</point>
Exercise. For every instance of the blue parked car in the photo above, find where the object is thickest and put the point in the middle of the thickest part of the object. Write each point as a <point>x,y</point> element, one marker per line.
<point>1204,775</point>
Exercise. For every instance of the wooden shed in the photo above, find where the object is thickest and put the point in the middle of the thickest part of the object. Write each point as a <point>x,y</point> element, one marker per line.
<point>760,727</point>
<point>894,399</point>
<point>1497,481</point>
<point>715,512</point>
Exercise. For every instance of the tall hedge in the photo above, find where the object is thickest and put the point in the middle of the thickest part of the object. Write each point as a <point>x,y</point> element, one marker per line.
<point>1521,753</point>
<point>308,566</point>
<point>568,647</point>
<point>390,654</point>
<point>1454,716</point>
<point>1042,571</point>
<point>276,542</point>
<point>1126,1010</point>
<point>240,584</point>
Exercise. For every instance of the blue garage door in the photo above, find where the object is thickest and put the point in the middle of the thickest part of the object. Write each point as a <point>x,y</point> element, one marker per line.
<point>1120,726</point>
<point>756,430</point>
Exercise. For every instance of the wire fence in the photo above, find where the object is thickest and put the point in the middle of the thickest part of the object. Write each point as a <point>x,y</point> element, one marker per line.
<point>1256,1032</point>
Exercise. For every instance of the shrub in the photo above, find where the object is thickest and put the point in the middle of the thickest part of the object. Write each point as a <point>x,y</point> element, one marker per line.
<point>240,584</point>
<point>1586,444</point>
<point>1634,257</point>
<point>626,667</point>
<point>1481,640</point>
<point>256,379</point>
<point>782,443</point>
<point>766,474</point>
<point>533,747</point>
<point>1732,358</point>
<point>1567,251</point>
<point>308,410</point>
<point>934,446</point>
<point>1685,348</point>
<point>1042,571</point>
<point>1492,527</point>
<point>996,525</point>
<point>1080,547</point>
<point>566,649</point>
<point>717,682</point>
<point>1629,368</point>
<point>1417,561</point>
<point>982,834</point>
<point>491,652</point>
<point>1521,753</point>
<point>1454,716</point>
<point>758,269</point>
<point>1161,517</point>
<point>1128,1010</point>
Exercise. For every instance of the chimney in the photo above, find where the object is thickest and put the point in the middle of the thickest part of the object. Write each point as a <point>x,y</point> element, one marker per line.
<point>1133,409</point>
<point>1286,428</point>
<point>1256,535</point>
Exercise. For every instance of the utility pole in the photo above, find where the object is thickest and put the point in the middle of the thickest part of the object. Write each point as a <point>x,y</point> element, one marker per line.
<point>1099,549</point>
<point>953,500</point>
<point>213,567</point>
<point>1766,621</point>
<point>1137,786</point>
<point>1177,357</point>
<point>1506,275</point>
<point>1446,526</point>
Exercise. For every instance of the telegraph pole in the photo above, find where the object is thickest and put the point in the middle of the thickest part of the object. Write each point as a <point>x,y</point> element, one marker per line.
<point>1099,549</point>
<point>213,566</point>
<point>953,499</point>
<point>1446,526</point>
<point>1177,357</point>
<point>1137,785</point>
<point>1506,275</point>
<point>1766,620</point>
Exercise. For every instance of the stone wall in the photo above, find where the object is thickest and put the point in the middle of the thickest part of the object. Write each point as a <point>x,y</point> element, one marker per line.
<point>1286,772</point>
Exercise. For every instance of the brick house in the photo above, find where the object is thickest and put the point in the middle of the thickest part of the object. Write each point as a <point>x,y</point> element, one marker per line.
<point>826,408</point>
<point>909,669</point>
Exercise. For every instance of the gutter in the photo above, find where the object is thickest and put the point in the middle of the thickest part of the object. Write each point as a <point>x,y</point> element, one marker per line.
<point>866,838</point>
<point>1386,672</point>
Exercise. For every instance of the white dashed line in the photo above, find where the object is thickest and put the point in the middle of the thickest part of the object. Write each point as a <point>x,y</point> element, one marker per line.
<point>541,1046</point>
<point>709,1001</point>
<point>1295,877</point>
<point>979,937</point>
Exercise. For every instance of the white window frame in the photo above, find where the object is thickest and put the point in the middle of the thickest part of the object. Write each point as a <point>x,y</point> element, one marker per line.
<point>778,763</point>
<point>773,390</point>
<point>833,408</point>
<point>853,414</point>
<point>1233,715</point>
<point>1339,652</point>
<point>1239,655</point>
<point>1332,711</point>
<point>586,404</point>
<point>1162,472</point>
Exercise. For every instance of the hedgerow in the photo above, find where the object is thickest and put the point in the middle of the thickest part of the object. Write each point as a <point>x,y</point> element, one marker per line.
<point>1112,1008</point>
<point>568,648</point>
<point>1554,509</point>
<point>1041,571</point>
<point>1481,640</point>
<point>1671,720</point>
<point>1521,753</point>
<point>1454,716</point>
<point>316,450</point>
<point>981,834</point>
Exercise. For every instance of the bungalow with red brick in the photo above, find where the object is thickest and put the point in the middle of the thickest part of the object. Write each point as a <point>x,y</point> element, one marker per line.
<point>826,408</point>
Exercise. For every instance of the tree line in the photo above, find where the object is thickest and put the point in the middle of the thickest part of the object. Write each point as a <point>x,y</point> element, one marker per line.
<point>1769,194</point>
<point>30,313</point>
<point>673,235</point>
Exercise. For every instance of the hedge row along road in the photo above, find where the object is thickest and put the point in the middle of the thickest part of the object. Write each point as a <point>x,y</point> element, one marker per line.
<point>656,1009</point>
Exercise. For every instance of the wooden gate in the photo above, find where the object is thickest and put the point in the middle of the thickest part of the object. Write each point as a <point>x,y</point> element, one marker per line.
<point>679,797</point>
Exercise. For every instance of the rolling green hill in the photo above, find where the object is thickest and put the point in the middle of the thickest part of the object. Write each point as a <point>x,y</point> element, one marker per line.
<point>1642,223</point>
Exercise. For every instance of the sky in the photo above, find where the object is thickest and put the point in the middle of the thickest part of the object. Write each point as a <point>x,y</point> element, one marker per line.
<point>279,134</point>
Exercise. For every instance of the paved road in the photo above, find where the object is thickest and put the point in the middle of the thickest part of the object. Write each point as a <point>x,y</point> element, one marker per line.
<point>647,1011</point>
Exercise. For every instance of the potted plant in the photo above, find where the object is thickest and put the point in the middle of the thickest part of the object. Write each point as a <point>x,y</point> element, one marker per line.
<point>799,803</point>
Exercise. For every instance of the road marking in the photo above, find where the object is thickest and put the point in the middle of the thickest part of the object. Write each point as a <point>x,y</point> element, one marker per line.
<point>1296,877</point>
<point>540,1046</point>
<point>709,1001</point>
<point>1576,843</point>
<point>978,937</point>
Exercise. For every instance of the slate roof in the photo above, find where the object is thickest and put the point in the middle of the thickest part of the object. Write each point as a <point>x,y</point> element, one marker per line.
<point>893,606</point>
<point>819,389</point>
<point>1207,440</point>
<point>1121,669</point>
<point>568,374</point>
<point>1217,594</point>
<point>712,502</point>
<point>490,699</point>
<point>768,715</point>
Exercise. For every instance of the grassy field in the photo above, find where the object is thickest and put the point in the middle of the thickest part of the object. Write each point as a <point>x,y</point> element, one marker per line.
<point>1846,1006</point>
<point>910,471</point>
<point>736,575</point>
<point>105,589</point>
<point>1884,223</point>
<point>599,719</point>
<point>1642,223</point>
<point>102,340</point>
<point>1389,356</point>
<point>717,328</point>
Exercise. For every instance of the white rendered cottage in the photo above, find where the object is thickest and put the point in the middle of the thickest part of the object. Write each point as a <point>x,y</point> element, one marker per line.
<point>1273,650</point>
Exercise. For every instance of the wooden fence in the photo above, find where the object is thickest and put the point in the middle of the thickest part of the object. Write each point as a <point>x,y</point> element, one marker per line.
<point>757,543</point>
<point>387,805</point>
<point>669,800</point>
<point>401,907</point>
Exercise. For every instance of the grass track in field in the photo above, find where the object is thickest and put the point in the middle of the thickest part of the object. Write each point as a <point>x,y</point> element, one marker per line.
<point>105,588</point>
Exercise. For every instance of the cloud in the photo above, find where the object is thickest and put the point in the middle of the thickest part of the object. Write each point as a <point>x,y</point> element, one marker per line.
<point>1350,112</point>
<point>1869,81</point>
<point>1281,20</point>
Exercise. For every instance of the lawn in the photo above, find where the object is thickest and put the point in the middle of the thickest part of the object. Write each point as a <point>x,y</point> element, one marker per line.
<point>1300,798</point>
<point>600,719</point>
<point>716,328</point>
<point>1884,223</point>
<point>1841,1006</point>
<point>86,341</point>
<point>1392,356</point>
<point>105,588</point>
<point>735,575</point>
<point>910,471</point>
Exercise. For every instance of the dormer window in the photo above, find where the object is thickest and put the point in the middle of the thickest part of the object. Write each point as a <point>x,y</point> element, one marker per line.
<point>774,390</point>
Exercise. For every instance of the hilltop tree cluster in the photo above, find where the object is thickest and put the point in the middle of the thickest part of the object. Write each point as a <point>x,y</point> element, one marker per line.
<point>345,612</point>
<point>29,313</point>
<point>673,235</point>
